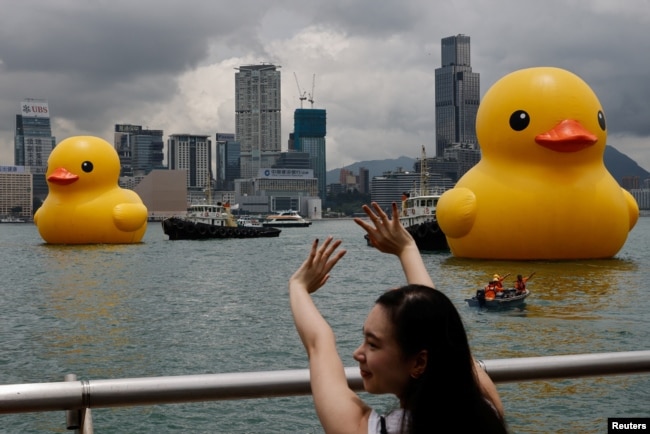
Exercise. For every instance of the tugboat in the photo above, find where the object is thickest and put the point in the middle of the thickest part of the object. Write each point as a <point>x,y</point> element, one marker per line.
<point>205,221</point>
<point>418,213</point>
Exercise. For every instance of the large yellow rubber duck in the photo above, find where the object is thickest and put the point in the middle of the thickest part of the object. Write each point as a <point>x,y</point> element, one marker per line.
<point>85,204</point>
<point>541,189</point>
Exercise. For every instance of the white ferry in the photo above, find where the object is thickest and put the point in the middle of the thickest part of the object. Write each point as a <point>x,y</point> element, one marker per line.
<point>286,219</point>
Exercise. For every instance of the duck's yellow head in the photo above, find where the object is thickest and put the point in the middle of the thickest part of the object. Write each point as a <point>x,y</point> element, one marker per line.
<point>543,115</point>
<point>82,162</point>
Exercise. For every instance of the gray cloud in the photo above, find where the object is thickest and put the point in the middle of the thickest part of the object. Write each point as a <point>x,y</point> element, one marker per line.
<point>170,65</point>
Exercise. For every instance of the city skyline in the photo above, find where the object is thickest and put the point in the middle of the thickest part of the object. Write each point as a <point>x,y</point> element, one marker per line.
<point>374,66</point>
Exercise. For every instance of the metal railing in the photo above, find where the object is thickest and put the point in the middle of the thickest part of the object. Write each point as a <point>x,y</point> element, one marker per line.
<point>77,397</point>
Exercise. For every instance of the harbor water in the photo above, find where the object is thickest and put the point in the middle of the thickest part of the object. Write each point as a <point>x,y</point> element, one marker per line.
<point>163,307</point>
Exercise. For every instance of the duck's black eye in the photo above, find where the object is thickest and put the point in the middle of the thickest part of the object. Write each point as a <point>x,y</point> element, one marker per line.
<point>87,166</point>
<point>601,120</point>
<point>519,120</point>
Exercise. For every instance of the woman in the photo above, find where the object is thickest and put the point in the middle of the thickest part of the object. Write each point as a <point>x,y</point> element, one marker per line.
<point>414,347</point>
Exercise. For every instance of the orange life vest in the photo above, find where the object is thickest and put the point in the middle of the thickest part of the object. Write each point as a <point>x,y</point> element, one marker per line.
<point>520,285</point>
<point>490,292</point>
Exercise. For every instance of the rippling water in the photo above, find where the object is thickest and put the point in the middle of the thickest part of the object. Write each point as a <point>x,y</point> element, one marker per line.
<point>197,307</point>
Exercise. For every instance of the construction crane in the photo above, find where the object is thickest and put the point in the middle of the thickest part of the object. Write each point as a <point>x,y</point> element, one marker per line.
<point>311,95</point>
<point>301,95</point>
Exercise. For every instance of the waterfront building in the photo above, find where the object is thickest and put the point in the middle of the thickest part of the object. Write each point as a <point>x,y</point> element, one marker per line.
<point>309,130</point>
<point>466,156</point>
<point>457,95</point>
<point>276,189</point>
<point>140,150</point>
<point>389,187</point>
<point>455,162</point>
<point>257,116</point>
<point>294,160</point>
<point>642,197</point>
<point>16,193</point>
<point>344,175</point>
<point>164,193</point>
<point>33,142</point>
<point>228,152</point>
<point>364,180</point>
<point>630,182</point>
<point>335,189</point>
<point>348,181</point>
<point>192,153</point>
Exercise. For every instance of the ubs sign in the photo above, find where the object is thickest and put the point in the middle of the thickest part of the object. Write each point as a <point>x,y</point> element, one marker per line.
<point>33,108</point>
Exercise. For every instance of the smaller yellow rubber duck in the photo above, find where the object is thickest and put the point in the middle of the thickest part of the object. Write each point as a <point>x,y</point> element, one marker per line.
<point>85,204</point>
<point>541,189</point>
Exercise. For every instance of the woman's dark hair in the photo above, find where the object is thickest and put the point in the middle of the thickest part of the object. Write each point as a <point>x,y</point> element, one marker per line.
<point>448,391</point>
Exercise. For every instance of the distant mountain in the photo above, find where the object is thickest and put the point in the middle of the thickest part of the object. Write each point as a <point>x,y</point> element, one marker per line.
<point>375,167</point>
<point>618,164</point>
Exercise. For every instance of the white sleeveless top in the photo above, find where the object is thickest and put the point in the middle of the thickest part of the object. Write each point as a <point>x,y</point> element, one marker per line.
<point>393,422</point>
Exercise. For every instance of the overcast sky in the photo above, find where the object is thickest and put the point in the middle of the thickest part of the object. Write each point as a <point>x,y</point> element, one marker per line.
<point>170,64</point>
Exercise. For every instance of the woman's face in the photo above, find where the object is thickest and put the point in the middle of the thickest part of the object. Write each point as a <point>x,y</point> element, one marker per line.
<point>383,367</point>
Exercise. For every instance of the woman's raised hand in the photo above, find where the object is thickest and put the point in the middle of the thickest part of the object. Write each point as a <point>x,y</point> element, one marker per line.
<point>387,235</point>
<point>314,271</point>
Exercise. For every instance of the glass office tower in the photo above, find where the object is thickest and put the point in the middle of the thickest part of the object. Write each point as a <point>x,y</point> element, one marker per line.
<point>140,150</point>
<point>310,127</point>
<point>457,95</point>
<point>33,142</point>
<point>228,154</point>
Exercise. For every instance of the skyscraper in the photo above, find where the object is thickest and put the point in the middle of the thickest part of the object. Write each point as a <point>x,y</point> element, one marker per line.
<point>33,141</point>
<point>228,166</point>
<point>191,153</point>
<point>140,150</point>
<point>16,192</point>
<point>457,95</point>
<point>310,127</point>
<point>257,116</point>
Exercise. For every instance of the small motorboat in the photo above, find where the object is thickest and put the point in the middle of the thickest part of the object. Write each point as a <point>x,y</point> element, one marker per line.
<point>249,222</point>
<point>506,298</point>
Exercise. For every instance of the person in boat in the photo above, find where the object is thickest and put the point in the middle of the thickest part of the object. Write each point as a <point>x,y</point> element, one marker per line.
<point>492,289</point>
<point>520,283</point>
<point>499,281</point>
<point>414,346</point>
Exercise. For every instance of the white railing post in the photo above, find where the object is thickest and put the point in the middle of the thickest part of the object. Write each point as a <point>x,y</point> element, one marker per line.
<point>79,419</point>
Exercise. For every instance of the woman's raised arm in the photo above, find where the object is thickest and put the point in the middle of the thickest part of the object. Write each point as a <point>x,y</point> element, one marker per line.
<point>338,407</point>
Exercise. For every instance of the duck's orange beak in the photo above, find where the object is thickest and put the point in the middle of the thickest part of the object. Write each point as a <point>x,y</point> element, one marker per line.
<point>62,177</point>
<point>567,136</point>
